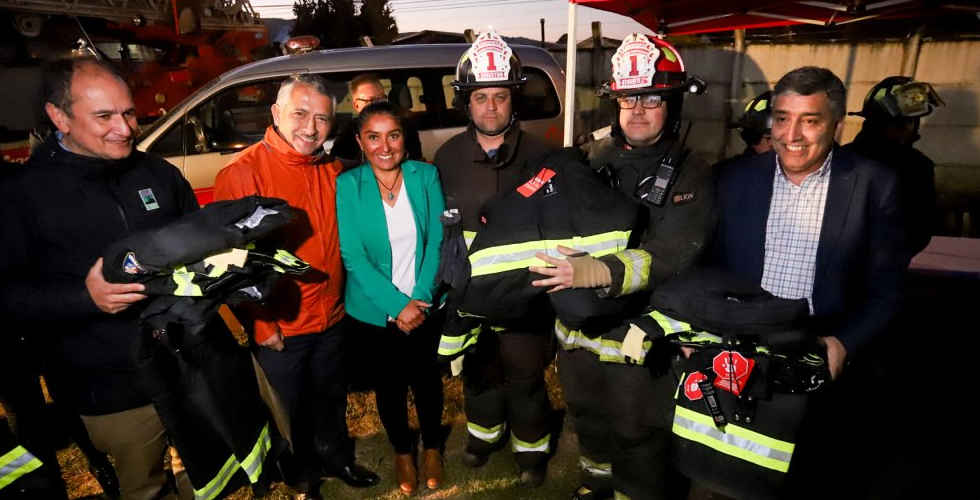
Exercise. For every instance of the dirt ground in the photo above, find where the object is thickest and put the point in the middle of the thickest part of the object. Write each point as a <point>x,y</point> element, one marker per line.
<point>497,479</point>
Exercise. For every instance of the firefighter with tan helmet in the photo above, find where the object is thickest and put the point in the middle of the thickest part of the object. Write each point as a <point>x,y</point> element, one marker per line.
<point>503,375</point>
<point>618,394</point>
<point>892,112</point>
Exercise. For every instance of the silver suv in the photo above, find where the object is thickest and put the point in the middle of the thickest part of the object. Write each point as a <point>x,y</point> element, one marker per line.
<point>208,129</point>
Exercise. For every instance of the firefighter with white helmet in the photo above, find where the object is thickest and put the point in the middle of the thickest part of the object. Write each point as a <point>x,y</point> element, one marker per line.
<point>503,374</point>
<point>621,409</point>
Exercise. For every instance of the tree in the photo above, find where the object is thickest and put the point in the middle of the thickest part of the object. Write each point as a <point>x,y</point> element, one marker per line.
<point>377,21</point>
<point>337,23</point>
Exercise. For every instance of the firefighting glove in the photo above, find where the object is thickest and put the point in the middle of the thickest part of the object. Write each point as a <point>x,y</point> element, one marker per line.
<point>454,262</point>
<point>589,272</point>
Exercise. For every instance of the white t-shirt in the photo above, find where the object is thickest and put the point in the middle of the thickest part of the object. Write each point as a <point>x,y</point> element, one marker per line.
<point>403,238</point>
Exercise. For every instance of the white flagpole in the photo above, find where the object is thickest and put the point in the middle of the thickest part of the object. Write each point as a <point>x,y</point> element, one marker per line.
<point>571,54</point>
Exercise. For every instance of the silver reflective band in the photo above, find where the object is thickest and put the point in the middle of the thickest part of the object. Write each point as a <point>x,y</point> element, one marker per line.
<point>593,468</point>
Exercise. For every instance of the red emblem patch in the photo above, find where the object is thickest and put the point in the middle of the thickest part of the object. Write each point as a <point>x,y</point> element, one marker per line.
<point>732,371</point>
<point>691,388</point>
<point>535,183</point>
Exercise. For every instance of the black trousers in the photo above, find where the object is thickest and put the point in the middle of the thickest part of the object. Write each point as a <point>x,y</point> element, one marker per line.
<point>401,361</point>
<point>622,416</point>
<point>503,386</point>
<point>309,377</point>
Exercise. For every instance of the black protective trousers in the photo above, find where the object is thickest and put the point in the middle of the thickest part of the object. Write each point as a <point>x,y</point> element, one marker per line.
<point>309,377</point>
<point>503,386</point>
<point>622,416</point>
<point>401,361</point>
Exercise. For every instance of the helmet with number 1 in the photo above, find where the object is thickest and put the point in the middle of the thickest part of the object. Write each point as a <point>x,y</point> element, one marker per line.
<point>648,65</point>
<point>489,62</point>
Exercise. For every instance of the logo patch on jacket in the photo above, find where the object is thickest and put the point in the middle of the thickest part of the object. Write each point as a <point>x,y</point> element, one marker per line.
<point>537,182</point>
<point>683,198</point>
<point>131,265</point>
<point>148,199</point>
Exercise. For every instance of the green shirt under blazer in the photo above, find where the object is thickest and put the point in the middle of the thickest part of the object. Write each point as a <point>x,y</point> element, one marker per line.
<point>370,295</point>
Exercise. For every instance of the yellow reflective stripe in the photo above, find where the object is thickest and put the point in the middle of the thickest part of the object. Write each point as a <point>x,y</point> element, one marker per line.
<point>636,270</point>
<point>504,258</point>
<point>608,350</point>
<point>252,465</point>
<point>450,345</point>
<point>15,463</point>
<point>218,483</point>
<point>735,441</point>
<point>680,382</point>
<point>287,258</point>
<point>185,283</point>
<point>668,324</point>
<point>618,495</point>
<point>540,445</point>
<point>593,468</point>
<point>468,237</point>
<point>491,435</point>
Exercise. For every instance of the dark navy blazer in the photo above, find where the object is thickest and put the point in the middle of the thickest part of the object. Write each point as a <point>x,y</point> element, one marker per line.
<point>858,278</point>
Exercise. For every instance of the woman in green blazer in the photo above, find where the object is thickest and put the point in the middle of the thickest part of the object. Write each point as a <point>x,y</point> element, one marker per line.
<point>388,214</point>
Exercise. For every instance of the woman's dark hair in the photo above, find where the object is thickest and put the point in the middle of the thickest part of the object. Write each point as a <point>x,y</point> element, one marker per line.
<point>376,108</point>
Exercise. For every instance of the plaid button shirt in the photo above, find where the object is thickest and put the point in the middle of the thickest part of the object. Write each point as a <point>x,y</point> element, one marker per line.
<point>793,233</point>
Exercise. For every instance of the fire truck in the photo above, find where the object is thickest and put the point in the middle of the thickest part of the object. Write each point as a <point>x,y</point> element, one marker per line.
<point>166,49</point>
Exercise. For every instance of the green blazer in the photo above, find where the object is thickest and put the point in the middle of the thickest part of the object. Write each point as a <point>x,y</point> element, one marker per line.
<point>370,296</point>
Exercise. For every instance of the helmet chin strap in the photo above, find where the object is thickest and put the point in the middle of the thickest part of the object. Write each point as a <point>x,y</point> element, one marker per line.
<point>513,117</point>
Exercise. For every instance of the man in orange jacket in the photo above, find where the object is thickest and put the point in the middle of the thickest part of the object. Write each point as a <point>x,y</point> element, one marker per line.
<point>300,334</point>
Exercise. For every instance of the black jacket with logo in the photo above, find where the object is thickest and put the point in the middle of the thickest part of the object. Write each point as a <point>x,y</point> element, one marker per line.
<point>470,177</point>
<point>60,213</point>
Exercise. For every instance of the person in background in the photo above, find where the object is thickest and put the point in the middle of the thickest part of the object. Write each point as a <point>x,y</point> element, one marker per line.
<point>367,89</point>
<point>388,213</point>
<point>892,112</point>
<point>301,334</point>
<point>754,127</point>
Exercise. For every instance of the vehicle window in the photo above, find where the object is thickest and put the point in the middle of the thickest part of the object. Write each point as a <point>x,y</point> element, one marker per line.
<point>171,143</point>
<point>232,119</point>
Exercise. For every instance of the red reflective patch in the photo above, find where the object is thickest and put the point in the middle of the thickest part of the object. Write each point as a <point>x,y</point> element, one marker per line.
<point>535,183</point>
<point>691,388</point>
<point>732,371</point>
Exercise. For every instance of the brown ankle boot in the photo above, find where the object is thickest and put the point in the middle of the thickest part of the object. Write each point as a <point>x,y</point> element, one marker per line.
<point>405,472</point>
<point>432,468</point>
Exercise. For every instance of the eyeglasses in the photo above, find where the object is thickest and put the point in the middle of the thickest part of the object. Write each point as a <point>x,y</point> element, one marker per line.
<point>370,100</point>
<point>648,101</point>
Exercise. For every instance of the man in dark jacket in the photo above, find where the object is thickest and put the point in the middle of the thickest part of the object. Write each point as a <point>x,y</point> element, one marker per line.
<point>83,189</point>
<point>503,377</point>
<point>620,410</point>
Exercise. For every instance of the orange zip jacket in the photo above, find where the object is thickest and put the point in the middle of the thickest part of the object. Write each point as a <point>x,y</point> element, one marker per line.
<point>273,168</point>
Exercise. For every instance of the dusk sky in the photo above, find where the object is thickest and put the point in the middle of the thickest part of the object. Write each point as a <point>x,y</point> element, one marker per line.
<point>508,17</point>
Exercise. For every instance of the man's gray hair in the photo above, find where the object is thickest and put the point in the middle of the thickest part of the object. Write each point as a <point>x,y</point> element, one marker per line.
<point>810,80</point>
<point>315,81</point>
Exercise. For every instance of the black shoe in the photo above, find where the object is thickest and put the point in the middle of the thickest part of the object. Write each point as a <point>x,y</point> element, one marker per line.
<point>474,460</point>
<point>532,478</point>
<point>355,476</point>
<point>105,475</point>
<point>585,493</point>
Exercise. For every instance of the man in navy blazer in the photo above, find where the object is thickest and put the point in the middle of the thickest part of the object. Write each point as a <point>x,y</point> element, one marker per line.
<point>811,220</point>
